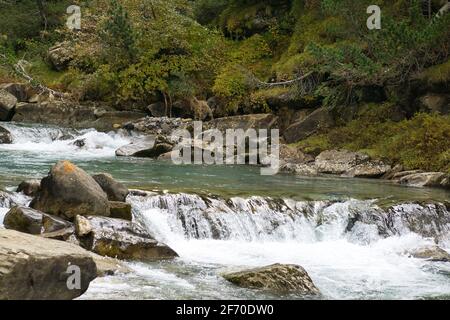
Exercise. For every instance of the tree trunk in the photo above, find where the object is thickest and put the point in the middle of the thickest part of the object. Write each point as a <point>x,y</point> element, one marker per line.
<point>41,7</point>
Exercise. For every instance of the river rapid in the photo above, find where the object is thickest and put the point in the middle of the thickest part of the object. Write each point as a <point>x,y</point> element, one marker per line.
<point>223,218</point>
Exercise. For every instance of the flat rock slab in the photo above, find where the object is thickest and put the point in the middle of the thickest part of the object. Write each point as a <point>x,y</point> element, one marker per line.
<point>120,239</point>
<point>36,268</point>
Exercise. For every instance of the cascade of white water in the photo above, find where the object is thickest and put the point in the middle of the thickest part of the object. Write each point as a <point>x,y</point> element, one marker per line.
<point>184,216</point>
<point>62,141</point>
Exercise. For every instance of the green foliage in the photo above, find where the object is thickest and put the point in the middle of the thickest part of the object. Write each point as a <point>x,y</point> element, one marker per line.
<point>422,142</point>
<point>118,34</point>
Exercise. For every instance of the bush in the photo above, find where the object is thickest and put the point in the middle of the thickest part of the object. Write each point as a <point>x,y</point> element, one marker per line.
<point>422,142</point>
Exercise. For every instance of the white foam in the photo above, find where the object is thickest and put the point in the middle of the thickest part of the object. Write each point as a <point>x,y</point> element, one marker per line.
<point>45,141</point>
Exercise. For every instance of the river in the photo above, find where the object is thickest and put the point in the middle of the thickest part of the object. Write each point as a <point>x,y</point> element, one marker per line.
<point>222,218</point>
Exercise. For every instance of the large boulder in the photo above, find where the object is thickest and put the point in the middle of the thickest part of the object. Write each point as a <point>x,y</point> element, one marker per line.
<point>69,191</point>
<point>339,161</point>
<point>318,120</point>
<point>7,105</point>
<point>5,136</point>
<point>32,267</point>
<point>277,277</point>
<point>115,190</point>
<point>120,239</point>
<point>56,113</point>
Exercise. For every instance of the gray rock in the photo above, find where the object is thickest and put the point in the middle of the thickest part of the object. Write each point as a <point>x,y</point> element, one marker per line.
<point>7,105</point>
<point>318,120</point>
<point>277,277</point>
<point>339,162</point>
<point>69,191</point>
<point>305,169</point>
<point>5,136</point>
<point>122,239</point>
<point>115,190</point>
<point>24,219</point>
<point>425,179</point>
<point>137,147</point>
<point>33,267</point>
<point>369,169</point>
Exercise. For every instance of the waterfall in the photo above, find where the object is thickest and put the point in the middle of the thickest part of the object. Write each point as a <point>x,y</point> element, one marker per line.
<point>172,217</point>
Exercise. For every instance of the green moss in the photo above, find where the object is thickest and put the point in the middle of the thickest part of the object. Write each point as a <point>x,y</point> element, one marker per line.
<point>437,74</point>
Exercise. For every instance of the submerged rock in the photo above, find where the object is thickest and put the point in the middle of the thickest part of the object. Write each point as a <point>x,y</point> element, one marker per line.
<point>29,187</point>
<point>115,190</point>
<point>69,191</point>
<point>120,239</point>
<point>277,277</point>
<point>306,169</point>
<point>32,267</point>
<point>5,136</point>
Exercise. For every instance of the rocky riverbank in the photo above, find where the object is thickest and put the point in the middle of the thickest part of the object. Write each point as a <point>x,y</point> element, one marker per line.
<point>89,217</point>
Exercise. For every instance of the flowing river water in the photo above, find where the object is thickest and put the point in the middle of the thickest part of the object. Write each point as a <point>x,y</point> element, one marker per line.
<point>225,218</point>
